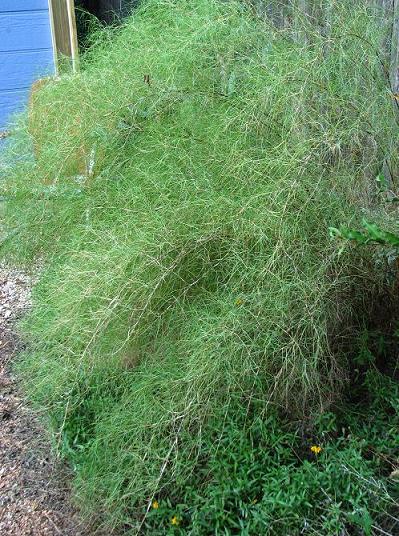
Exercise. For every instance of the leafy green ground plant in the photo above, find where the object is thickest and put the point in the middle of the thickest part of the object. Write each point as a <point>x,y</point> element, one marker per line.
<point>335,474</point>
<point>372,234</point>
<point>269,477</point>
<point>180,194</point>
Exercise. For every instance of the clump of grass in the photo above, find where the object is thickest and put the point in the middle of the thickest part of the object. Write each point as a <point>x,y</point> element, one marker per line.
<point>194,264</point>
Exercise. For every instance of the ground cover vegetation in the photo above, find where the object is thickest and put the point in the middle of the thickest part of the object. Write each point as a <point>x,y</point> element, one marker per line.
<point>196,330</point>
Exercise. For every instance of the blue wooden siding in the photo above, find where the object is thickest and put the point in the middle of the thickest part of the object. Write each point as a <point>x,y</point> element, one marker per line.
<point>26,52</point>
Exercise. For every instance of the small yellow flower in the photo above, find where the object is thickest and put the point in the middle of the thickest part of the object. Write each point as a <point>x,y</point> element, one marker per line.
<point>315,449</point>
<point>155,504</point>
<point>254,501</point>
<point>239,301</point>
<point>175,521</point>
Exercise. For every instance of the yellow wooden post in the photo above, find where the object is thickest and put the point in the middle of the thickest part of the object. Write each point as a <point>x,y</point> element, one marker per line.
<point>63,28</point>
<point>73,34</point>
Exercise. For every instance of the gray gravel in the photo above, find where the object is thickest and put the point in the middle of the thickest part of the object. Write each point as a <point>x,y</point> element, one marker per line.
<point>34,494</point>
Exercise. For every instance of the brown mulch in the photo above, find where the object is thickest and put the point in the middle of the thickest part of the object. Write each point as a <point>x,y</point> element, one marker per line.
<point>34,492</point>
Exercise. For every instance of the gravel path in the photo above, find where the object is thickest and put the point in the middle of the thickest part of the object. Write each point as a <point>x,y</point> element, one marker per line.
<point>34,495</point>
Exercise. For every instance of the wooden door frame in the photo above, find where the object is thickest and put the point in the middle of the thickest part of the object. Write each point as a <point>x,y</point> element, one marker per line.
<point>63,32</point>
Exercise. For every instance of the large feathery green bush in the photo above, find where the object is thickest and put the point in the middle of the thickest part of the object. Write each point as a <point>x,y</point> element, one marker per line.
<point>181,194</point>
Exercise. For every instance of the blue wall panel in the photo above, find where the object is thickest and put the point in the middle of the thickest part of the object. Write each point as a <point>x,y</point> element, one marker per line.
<point>20,69</point>
<point>23,5</point>
<point>25,52</point>
<point>24,30</point>
<point>12,101</point>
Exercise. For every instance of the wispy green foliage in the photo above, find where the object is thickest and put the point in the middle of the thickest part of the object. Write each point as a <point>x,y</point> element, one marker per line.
<point>194,264</point>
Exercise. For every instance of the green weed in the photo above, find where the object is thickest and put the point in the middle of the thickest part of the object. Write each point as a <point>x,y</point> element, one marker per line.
<point>267,476</point>
<point>188,263</point>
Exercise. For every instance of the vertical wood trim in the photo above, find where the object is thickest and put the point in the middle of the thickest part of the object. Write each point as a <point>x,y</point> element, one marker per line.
<point>64,30</point>
<point>55,55</point>
<point>61,28</point>
<point>73,35</point>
